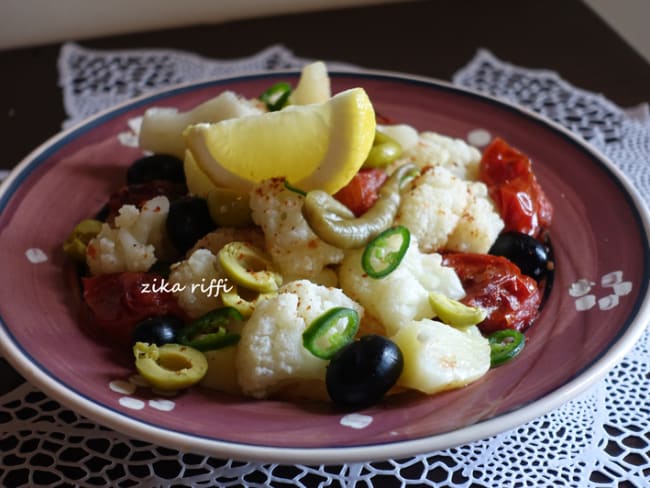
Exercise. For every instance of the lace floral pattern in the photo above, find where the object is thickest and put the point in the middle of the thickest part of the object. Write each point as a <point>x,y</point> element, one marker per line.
<point>599,439</point>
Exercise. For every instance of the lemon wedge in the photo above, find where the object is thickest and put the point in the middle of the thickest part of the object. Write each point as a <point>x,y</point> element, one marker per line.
<point>312,146</point>
<point>200,184</point>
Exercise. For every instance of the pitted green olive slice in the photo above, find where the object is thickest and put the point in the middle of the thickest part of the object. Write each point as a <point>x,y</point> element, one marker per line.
<point>244,306</point>
<point>384,151</point>
<point>229,208</point>
<point>77,242</point>
<point>249,267</point>
<point>334,223</point>
<point>171,366</point>
<point>455,313</point>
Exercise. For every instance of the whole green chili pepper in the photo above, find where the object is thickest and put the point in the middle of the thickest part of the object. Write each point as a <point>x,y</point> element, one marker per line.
<point>334,223</point>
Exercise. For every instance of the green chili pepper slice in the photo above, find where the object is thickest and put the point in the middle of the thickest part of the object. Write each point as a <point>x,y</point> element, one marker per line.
<point>277,96</point>
<point>208,332</point>
<point>505,345</point>
<point>323,338</point>
<point>381,256</point>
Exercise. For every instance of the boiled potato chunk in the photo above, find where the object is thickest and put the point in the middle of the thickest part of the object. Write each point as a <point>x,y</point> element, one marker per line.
<point>313,86</point>
<point>222,374</point>
<point>162,128</point>
<point>439,357</point>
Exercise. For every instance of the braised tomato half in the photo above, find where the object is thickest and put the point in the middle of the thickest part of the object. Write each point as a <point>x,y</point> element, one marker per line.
<point>119,301</point>
<point>139,193</point>
<point>361,192</point>
<point>508,174</point>
<point>495,284</point>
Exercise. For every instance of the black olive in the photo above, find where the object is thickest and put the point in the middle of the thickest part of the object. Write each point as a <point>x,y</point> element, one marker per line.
<point>102,214</point>
<point>157,330</point>
<point>363,371</point>
<point>529,254</point>
<point>155,167</point>
<point>188,220</point>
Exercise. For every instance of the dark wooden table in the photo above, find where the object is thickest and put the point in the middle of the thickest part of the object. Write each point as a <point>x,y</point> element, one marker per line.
<point>431,38</point>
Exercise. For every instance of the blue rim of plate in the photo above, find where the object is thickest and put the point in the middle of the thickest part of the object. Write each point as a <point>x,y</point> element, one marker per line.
<point>131,425</point>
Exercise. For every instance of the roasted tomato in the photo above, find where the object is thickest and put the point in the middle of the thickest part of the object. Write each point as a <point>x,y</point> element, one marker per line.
<point>522,203</point>
<point>495,284</point>
<point>119,301</point>
<point>139,193</point>
<point>361,193</point>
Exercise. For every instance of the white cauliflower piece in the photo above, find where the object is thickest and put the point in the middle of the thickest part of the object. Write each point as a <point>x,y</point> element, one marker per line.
<point>134,242</point>
<point>479,224</point>
<point>456,155</point>
<point>432,207</point>
<point>270,352</point>
<point>403,295</point>
<point>445,212</point>
<point>191,280</point>
<point>293,246</point>
<point>439,357</point>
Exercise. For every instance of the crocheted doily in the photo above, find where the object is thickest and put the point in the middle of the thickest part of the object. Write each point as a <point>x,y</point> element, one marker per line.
<point>601,438</point>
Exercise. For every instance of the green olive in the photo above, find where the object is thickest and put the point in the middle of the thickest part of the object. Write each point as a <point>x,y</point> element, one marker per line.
<point>455,313</point>
<point>249,267</point>
<point>334,223</point>
<point>229,208</point>
<point>245,306</point>
<point>171,366</point>
<point>77,242</point>
<point>385,150</point>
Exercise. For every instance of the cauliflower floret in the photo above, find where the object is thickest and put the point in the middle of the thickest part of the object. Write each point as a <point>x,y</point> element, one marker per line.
<point>134,242</point>
<point>445,212</point>
<point>192,278</point>
<point>453,154</point>
<point>270,352</point>
<point>293,246</point>
<point>479,225</point>
<point>403,295</point>
<point>432,207</point>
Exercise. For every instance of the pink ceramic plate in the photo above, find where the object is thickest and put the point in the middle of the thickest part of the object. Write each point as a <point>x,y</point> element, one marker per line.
<point>596,310</point>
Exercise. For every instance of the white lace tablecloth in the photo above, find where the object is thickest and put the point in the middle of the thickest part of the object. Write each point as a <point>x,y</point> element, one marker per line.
<point>600,439</point>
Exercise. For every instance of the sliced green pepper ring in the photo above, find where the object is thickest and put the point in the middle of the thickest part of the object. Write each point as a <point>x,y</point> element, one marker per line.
<point>381,256</point>
<point>277,96</point>
<point>505,345</point>
<point>208,332</point>
<point>323,338</point>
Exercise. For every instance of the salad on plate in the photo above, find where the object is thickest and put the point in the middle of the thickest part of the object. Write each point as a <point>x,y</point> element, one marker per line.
<point>302,246</point>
